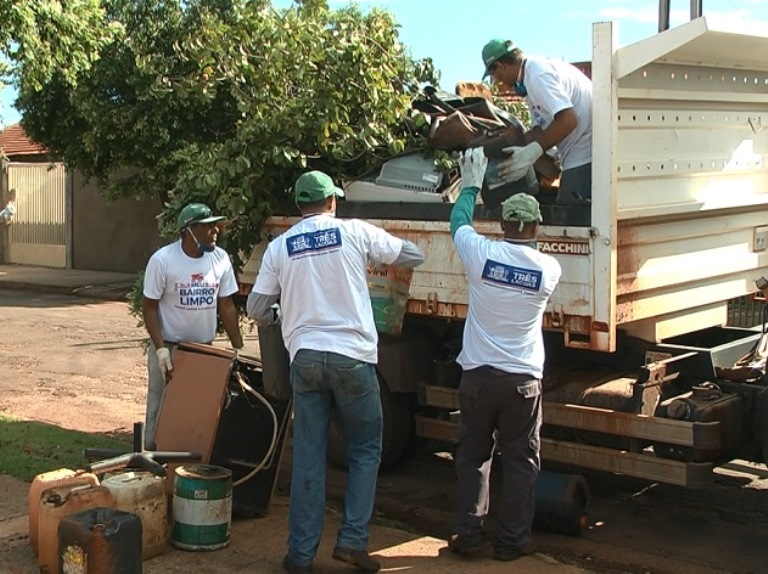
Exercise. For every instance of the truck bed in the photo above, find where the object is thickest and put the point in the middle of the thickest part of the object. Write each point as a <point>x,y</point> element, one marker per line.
<point>678,224</point>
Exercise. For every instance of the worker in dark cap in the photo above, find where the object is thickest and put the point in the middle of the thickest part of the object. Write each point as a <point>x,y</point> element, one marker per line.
<point>502,361</point>
<point>559,98</point>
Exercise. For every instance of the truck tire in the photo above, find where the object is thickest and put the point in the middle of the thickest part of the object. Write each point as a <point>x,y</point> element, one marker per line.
<point>399,429</point>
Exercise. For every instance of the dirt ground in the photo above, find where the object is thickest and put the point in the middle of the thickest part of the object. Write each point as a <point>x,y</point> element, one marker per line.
<point>78,363</point>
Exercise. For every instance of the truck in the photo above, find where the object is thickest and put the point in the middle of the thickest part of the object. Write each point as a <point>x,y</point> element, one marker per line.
<point>644,375</point>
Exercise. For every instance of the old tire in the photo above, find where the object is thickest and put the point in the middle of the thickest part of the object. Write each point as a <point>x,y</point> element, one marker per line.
<point>562,502</point>
<point>397,410</point>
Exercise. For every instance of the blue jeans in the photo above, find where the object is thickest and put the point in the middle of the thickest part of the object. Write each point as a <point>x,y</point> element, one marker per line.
<point>321,380</point>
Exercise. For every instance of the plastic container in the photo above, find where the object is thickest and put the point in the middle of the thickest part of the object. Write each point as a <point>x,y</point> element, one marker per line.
<point>276,362</point>
<point>388,286</point>
<point>100,541</point>
<point>56,503</point>
<point>143,494</point>
<point>46,481</point>
<point>202,507</point>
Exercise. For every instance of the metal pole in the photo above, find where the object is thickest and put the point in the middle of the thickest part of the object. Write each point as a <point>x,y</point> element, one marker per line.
<point>4,231</point>
<point>696,9</point>
<point>138,437</point>
<point>69,218</point>
<point>696,12</point>
<point>664,14</point>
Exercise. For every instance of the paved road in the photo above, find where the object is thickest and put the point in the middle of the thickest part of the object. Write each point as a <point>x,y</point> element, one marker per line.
<point>78,363</point>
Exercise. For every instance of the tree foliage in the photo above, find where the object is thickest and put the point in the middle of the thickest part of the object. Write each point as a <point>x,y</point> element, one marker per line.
<point>41,38</point>
<point>229,101</point>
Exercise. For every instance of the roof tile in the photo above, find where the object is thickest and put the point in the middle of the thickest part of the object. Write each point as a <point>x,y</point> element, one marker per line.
<point>14,142</point>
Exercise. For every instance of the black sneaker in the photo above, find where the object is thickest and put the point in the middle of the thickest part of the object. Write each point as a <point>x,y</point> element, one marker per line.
<point>359,558</point>
<point>509,553</point>
<point>465,545</point>
<point>295,568</point>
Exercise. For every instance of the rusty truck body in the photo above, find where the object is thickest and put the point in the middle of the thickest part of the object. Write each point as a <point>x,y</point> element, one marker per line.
<point>677,228</point>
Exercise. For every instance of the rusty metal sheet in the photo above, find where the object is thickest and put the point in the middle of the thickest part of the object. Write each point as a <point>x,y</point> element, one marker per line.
<point>439,286</point>
<point>698,435</point>
<point>639,465</point>
<point>440,397</point>
<point>646,466</point>
<point>436,429</point>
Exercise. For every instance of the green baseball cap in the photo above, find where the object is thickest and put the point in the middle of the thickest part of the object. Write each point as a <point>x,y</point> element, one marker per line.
<point>494,50</point>
<point>521,207</point>
<point>197,213</point>
<point>315,186</point>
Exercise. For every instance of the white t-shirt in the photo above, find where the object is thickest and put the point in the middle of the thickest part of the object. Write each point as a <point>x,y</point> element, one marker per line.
<point>318,267</point>
<point>188,290</point>
<point>554,86</point>
<point>509,285</point>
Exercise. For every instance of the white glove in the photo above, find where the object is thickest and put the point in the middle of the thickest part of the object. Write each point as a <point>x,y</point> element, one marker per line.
<point>472,165</point>
<point>516,166</point>
<point>164,359</point>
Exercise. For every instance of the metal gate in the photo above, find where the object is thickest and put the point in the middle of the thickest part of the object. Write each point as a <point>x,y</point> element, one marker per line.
<point>39,232</point>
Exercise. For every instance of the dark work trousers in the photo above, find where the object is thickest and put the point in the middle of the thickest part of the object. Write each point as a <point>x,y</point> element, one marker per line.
<point>575,186</point>
<point>492,400</point>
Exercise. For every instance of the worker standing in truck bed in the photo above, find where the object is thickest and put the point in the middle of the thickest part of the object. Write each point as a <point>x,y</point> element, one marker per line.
<point>559,98</point>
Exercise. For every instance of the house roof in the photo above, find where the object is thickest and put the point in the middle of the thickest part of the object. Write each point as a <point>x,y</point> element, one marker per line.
<point>479,89</point>
<point>14,142</point>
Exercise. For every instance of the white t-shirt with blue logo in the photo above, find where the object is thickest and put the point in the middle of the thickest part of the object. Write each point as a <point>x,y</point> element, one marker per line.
<point>509,285</point>
<point>188,290</point>
<point>554,86</point>
<point>318,267</point>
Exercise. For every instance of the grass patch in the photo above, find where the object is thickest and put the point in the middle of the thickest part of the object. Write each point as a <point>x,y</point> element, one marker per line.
<point>28,448</point>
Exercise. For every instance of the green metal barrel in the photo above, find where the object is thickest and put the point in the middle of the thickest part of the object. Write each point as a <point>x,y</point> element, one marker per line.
<point>202,507</point>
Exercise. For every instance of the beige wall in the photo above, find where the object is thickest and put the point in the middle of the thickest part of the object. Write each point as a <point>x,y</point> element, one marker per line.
<point>111,236</point>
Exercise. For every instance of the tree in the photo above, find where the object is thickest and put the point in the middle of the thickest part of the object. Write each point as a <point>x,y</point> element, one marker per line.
<point>46,37</point>
<point>228,101</point>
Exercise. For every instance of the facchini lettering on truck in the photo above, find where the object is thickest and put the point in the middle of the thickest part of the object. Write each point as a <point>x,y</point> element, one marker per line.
<point>564,247</point>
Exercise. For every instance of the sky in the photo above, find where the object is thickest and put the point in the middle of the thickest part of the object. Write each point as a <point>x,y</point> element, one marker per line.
<point>452,32</point>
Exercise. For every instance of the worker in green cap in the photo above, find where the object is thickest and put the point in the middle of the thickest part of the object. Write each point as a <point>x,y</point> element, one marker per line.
<point>317,271</point>
<point>187,285</point>
<point>559,97</point>
<point>502,362</point>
